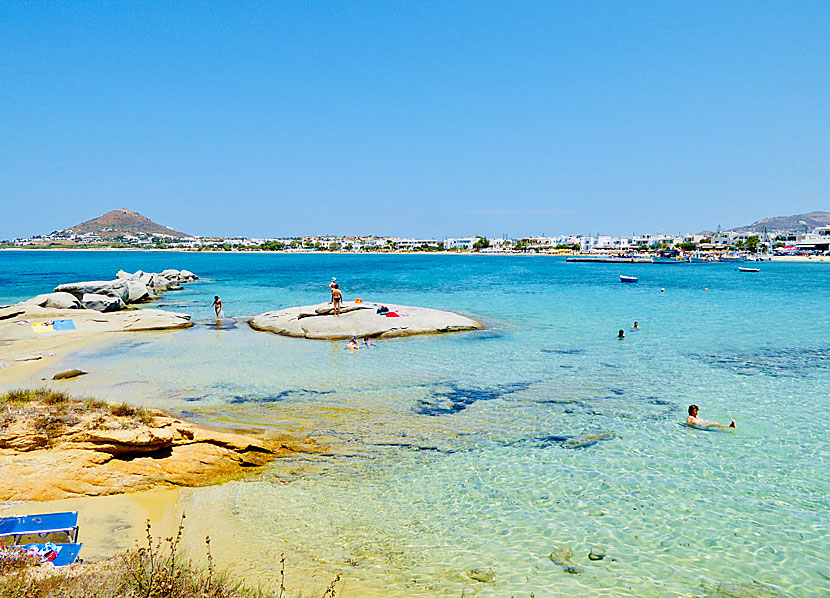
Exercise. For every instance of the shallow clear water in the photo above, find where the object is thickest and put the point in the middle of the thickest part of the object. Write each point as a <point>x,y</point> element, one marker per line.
<point>451,452</point>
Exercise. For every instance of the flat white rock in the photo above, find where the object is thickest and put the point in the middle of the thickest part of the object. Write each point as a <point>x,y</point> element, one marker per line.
<point>360,320</point>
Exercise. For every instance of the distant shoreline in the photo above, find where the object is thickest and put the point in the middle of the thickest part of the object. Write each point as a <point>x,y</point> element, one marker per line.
<point>774,258</point>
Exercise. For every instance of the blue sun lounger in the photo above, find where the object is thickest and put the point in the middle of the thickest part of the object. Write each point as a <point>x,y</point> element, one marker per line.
<point>38,529</point>
<point>50,537</point>
<point>56,554</point>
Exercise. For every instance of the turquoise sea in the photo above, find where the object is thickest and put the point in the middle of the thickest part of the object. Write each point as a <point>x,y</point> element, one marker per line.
<point>450,453</point>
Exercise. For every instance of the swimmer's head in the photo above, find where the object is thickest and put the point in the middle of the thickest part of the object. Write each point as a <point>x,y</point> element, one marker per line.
<point>216,296</point>
<point>693,410</point>
<point>621,334</point>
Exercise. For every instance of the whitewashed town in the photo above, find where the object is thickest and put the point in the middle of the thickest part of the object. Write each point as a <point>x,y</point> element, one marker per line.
<point>699,244</point>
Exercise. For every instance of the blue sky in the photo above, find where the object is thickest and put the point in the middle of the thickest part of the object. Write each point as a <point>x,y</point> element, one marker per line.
<point>413,118</point>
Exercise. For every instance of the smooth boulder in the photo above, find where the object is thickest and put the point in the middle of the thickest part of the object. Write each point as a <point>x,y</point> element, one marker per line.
<point>103,303</point>
<point>56,301</point>
<point>360,320</point>
<point>112,288</point>
<point>137,292</point>
<point>68,374</point>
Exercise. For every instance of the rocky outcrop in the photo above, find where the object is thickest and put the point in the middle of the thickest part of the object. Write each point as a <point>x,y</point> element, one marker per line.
<point>138,287</point>
<point>102,303</point>
<point>58,300</point>
<point>360,320</point>
<point>86,449</point>
<point>86,321</point>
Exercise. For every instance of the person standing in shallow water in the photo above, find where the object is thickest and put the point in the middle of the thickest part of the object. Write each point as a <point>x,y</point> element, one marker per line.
<point>217,305</point>
<point>696,422</point>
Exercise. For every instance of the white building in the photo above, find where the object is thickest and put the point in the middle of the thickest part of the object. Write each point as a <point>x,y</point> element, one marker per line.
<point>460,243</point>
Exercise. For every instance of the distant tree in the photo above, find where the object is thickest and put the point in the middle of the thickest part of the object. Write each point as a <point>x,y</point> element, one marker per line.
<point>481,243</point>
<point>779,245</point>
<point>687,246</point>
<point>752,243</point>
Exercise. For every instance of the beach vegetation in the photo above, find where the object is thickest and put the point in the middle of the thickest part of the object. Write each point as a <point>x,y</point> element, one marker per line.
<point>155,569</point>
<point>51,412</point>
<point>752,243</point>
<point>481,243</point>
<point>687,246</point>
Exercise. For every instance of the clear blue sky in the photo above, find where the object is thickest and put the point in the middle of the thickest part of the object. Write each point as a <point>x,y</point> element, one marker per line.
<point>413,118</point>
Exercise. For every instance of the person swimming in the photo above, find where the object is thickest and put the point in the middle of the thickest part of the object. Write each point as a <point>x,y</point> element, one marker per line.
<point>621,334</point>
<point>695,422</point>
<point>636,326</point>
<point>353,345</point>
<point>367,341</point>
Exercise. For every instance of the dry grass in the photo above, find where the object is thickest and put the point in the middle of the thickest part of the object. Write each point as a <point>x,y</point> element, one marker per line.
<point>51,412</point>
<point>156,570</point>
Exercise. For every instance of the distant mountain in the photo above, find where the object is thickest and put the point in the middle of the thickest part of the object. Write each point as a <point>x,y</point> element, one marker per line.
<point>123,222</point>
<point>794,223</point>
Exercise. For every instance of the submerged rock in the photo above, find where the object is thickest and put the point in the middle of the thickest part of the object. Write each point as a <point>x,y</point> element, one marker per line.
<point>482,575</point>
<point>744,590</point>
<point>360,320</point>
<point>597,553</point>
<point>587,440</point>
<point>562,556</point>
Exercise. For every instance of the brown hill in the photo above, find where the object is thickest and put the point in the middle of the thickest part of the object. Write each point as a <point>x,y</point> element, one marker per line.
<point>123,222</point>
<point>796,223</point>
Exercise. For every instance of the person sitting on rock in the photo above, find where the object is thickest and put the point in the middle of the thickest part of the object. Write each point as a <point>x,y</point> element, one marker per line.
<point>694,421</point>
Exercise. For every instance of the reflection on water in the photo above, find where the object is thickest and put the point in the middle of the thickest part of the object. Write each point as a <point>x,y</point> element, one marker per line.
<point>493,449</point>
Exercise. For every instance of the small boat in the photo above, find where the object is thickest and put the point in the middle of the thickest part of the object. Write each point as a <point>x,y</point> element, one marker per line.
<point>742,269</point>
<point>628,278</point>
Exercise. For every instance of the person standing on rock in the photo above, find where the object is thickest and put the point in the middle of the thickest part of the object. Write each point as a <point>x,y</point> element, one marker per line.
<point>336,299</point>
<point>217,305</point>
<point>332,286</point>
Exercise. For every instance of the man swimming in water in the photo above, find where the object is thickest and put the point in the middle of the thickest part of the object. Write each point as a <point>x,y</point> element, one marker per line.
<point>696,422</point>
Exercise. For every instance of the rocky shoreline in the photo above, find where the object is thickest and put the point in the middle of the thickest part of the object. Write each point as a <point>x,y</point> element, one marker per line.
<point>81,313</point>
<point>54,447</point>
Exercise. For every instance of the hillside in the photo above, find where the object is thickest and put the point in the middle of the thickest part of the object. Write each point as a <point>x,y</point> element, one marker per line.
<point>122,222</point>
<point>789,223</point>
